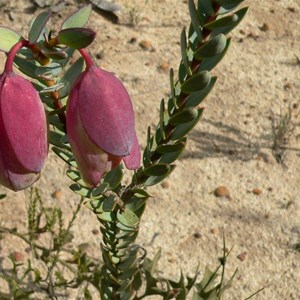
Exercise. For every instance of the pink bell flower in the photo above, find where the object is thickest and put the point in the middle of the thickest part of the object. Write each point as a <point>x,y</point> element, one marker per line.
<point>23,129</point>
<point>100,124</point>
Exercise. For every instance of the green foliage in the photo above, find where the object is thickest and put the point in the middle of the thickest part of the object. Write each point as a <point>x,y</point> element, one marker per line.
<point>79,18</point>
<point>54,267</point>
<point>8,38</point>
<point>37,26</point>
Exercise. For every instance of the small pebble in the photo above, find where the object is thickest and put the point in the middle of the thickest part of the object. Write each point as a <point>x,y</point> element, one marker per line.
<point>287,86</point>
<point>100,55</point>
<point>291,9</point>
<point>265,27</point>
<point>215,230</point>
<point>18,256</point>
<point>95,231</point>
<point>257,191</point>
<point>242,256</point>
<point>132,40</point>
<point>253,36</point>
<point>231,152</point>
<point>146,45</point>
<point>147,19</point>
<point>197,235</point>
<point>164,66</point>
<point>57,194</point>
<point>165,184</point>
<point>222,191</point>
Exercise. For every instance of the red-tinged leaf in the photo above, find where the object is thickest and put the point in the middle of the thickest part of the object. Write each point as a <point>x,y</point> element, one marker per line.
<point>76,37</point>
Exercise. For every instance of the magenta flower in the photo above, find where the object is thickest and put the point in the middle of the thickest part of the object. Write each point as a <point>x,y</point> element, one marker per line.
<point>100,124</point>
<point>23,130</point>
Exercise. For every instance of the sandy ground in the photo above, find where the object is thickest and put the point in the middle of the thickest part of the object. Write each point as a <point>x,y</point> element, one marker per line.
<point>259,80</point>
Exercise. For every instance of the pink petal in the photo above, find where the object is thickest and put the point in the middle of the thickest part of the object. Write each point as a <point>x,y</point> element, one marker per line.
<point>23,126</point>
<point>92,162</point>
<point>106,111</point>
<point>12,177</point>
<point>133,160</point>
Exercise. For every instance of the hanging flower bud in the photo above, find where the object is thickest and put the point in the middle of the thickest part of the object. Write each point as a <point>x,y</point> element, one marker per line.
<point>100,124</point>
<point>23,129</point>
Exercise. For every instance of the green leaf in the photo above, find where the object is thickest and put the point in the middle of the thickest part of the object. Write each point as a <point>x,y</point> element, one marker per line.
<point>140,193</point>
<point>182,72</point>
<point>151,265</point>
<point>195,98</point>
<point>66,156</point>
<point>100,190</point>
<point>212,47</point>
<point>182,130</point>
<point>192,280</point>
<point>222,22</point>
<point>70,76</point>
<point>236,20</point>
<point>78,189</point>
<point>197,82</point>
<point>157,170</point>
<point>8,38</point>
<point>205,10</point>
<point>63,62</point>
<point>76,37</point>
<point>153,180</point>
<point>162,118</point>
<point>79,18</point>
<point>114,177</point>
<point>109,203</point>
<point>48,72</point>
<point>128,263</point>
<point>186,115</point>
<point>51,89</point>
<point>59,140</point>
<point>136,204</point>
<point>169,158</point>
<point>147,151</point>
<point>229,4</point>
<point>128,218</point>
<point>54,52</point>
<point>106,216</point>
<point>172,87</point>
<point>167,148</point>
<point>195,19</point>
<point>174,153</point>
<point>25,66</point>
<point>55,121</point>
<point>137,281</point>
<point>125,228</point>
<point>2,196</point>
<point>184,54</point>
<point>37,26</point>
<point>75,176</point>
<point>210,62</point>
